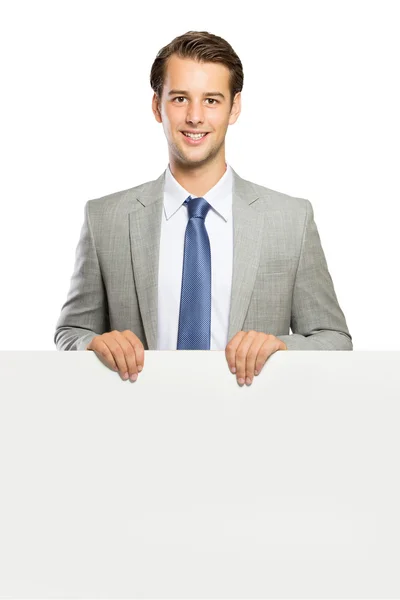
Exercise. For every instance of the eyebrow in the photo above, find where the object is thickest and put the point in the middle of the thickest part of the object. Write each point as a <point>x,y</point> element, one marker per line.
<point>186,93</point>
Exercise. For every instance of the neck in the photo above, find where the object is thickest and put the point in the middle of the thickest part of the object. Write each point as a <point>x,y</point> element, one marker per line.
<point>198,180</point>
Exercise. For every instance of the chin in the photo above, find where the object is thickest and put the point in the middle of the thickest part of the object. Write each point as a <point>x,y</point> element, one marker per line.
<point>192,156</point>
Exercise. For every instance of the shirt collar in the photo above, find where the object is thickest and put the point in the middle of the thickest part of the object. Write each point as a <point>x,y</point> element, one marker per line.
<point>219,197</point>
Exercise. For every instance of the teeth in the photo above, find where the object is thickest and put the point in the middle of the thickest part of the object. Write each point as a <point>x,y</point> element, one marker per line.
<point>195,136</point>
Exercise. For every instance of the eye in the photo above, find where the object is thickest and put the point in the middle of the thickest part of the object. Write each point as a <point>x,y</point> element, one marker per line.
<point>213,100</point>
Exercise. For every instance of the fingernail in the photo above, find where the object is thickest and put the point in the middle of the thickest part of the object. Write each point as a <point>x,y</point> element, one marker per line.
<point>248,380</point>
<point>125,376</point>
<point>233,369</point>
<point>240,381</point>
<point>139,368</point>
<point>133,377</point>
<point>256,372</point>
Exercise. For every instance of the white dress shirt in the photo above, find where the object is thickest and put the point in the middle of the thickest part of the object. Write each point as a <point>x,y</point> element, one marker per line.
<point>219,225</point>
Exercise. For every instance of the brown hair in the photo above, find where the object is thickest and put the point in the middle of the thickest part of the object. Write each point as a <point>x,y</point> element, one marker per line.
<point>203,47</point>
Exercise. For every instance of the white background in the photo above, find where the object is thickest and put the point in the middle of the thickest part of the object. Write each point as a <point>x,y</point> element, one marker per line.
<point>320,120</point>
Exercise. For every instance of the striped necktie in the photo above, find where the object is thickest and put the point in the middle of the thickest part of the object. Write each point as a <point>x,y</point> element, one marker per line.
<point>194,331</point>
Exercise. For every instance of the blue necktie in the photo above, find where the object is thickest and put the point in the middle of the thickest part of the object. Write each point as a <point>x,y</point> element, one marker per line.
<point>195,309</point>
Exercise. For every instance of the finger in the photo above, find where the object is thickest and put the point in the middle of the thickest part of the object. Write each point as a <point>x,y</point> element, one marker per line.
<point>230,350</point>
<point>241,354</point>
<point>129,355</point>
<point>113,342</point>
<point>137,347</point>
<point>268,348</point>
<point>252,354</point>
<point>103,352</point>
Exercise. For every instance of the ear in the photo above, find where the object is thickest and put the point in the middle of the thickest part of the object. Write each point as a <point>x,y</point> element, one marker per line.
<point>155,105</point>
<point>236,108</point>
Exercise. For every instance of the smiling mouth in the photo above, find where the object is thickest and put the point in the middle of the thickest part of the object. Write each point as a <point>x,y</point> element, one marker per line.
<point>195,136</point>
<point>196,141</point>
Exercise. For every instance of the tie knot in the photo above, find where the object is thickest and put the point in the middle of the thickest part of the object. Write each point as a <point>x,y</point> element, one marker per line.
<point>197,207</point>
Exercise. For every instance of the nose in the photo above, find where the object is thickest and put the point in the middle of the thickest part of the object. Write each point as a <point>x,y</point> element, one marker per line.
<point>195,113</point>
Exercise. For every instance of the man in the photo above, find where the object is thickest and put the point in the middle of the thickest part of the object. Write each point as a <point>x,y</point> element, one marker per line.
<point>199,258</point>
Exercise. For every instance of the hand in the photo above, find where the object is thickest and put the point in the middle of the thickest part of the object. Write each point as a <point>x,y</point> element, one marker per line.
<point>248,351</point>
<point>121,351</point>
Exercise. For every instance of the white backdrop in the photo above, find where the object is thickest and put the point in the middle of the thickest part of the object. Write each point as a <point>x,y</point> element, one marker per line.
<point>320,120</point>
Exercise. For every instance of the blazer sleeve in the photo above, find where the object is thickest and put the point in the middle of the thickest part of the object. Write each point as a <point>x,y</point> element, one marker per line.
<point>85,312</point>
<point>317,321</point>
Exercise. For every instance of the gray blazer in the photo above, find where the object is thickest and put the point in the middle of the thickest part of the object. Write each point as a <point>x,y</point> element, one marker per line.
<point>280,275</point>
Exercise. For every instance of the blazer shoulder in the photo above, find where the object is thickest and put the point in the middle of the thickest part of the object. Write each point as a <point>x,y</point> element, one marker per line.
<point>117,200</point>
<point>278,200</point>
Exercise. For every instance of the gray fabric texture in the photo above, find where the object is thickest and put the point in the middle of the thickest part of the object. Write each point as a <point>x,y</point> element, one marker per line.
<point>280,275</point>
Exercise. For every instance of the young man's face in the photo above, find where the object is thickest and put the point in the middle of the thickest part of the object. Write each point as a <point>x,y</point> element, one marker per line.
<point>187,104</point>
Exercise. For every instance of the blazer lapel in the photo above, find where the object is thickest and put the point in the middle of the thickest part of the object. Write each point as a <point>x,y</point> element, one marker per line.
<point>145,231</point>
<point>248,227</point>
